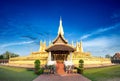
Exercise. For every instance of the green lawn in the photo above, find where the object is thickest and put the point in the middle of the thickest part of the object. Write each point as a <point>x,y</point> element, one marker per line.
<point>16,74</point>
<point>111,73</point>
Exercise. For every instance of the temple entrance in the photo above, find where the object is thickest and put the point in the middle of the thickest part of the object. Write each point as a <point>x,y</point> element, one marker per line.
<point>59,55</point>
<point>62,57</point>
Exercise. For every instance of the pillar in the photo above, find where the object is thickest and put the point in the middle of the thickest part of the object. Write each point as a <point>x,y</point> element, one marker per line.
<point>49,56</point>
<point>70,56</point>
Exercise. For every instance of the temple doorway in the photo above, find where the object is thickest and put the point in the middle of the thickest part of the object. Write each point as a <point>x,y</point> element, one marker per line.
<point>59,55</point>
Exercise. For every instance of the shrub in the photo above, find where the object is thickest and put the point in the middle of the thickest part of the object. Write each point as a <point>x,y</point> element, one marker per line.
<point>80,70</point>
<point>37,66</point>
<point>40,71</point>
<point>81,67</point>
<point>81,63</point>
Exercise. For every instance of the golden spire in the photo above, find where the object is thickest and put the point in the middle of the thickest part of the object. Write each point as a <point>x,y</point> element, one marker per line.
<point>60,30</point>
<point>77,46</point>
<point>40,49</point>
<point>44,44</point>
<point>81,48</point>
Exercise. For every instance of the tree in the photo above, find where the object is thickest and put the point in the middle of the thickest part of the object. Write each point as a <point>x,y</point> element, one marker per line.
<point>14,55</point>
<point>108,56</point>
<point>1,56</point>
<point>8,55</point>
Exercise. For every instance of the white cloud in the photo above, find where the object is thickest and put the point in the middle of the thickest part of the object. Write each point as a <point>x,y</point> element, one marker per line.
<point>99,31</point>
<point>85,36</point>
<point>17,43</point>
<point>102,45</point>
<point>96,42</point>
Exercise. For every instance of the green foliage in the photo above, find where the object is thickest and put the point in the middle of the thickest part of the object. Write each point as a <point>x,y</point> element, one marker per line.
<point>1,56</point>
<point>81,66</point>
<point>37,64</point>
<point>8,55</point>
<point>81,63</point>
<point>38,70</point>
<point>80,70</point>
<point>108,56</point>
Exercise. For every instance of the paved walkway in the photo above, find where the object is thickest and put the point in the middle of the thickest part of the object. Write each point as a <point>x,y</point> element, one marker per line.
<point>66,77</point>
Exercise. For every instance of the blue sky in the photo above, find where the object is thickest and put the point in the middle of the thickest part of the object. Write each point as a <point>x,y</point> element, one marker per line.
<point>23,23</point>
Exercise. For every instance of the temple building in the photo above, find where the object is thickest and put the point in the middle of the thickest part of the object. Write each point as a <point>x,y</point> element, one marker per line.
<point>116,58</point>
<point>59,50</point>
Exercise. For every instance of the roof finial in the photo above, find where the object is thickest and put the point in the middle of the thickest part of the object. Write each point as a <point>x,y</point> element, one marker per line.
<point>60,30</point>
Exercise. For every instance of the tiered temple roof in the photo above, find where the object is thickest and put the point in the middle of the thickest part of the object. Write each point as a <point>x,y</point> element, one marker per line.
<point>60,44</point>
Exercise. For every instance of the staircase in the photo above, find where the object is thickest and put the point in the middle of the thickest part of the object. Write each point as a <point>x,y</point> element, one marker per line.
<point>60,68</point>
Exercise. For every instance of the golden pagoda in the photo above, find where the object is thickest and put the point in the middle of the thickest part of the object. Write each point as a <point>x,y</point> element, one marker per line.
<point>59,50</point>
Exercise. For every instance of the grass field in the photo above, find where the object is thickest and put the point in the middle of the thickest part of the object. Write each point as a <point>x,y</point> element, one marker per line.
<point>16,74</point>
<point>111,73</point>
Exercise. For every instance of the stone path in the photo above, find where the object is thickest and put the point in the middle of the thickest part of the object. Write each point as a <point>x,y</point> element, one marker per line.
<point>66,77</point>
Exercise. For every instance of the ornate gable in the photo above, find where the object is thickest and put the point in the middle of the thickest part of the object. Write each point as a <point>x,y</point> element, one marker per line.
<point>60,39</point>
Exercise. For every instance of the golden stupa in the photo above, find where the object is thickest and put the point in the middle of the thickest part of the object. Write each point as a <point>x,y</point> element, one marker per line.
<point>60,50</point>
